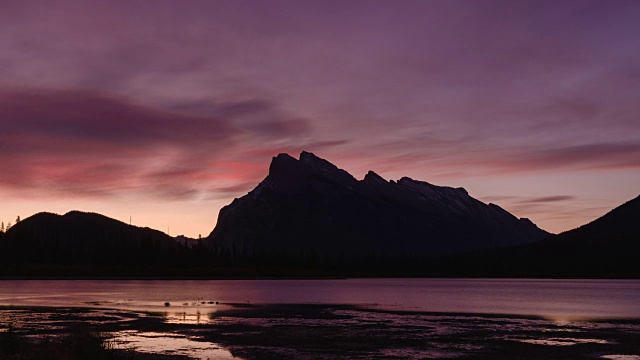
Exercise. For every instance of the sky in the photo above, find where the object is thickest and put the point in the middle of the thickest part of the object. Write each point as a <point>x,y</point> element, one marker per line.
<point>162,112</point>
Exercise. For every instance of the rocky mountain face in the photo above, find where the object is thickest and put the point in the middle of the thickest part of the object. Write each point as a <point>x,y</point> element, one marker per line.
<point>310,205</point>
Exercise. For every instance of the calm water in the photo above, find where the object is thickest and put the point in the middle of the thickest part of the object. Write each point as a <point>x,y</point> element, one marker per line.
<point>392,318</point>
<point>556,299</point>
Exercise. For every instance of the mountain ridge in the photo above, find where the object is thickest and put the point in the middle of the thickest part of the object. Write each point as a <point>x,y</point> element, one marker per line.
<point>311,192</point>
<point>90,244</point>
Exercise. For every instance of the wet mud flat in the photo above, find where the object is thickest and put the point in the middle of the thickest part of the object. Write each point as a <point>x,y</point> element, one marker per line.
<point>332,331</point>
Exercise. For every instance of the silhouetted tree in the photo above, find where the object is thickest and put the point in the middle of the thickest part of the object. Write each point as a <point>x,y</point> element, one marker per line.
<point>2,227</point>
<point>18,219</point>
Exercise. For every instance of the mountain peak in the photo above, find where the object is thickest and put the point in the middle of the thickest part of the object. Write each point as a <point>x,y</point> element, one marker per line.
<point>282,165</point>
<point>310,203</point>
<point>319,165</point>
<point>283,159</point>
<point>315,161</point>
<point>372,177</point>
<point>309,156</point>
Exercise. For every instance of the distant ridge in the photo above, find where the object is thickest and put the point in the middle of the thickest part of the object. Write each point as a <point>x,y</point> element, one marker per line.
<point>609,244</point>
<point>310,205</point>
<point>619,224</point>
<point>446,219</point>
<point>606,247</point>
<point>79,238</point>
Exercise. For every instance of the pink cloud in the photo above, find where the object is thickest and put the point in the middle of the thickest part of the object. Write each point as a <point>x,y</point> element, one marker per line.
<point>159,96</point>
<point>88,143</point>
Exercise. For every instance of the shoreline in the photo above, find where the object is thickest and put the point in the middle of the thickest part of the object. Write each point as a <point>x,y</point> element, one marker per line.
<point>292,331</point>
<point>239,308</point>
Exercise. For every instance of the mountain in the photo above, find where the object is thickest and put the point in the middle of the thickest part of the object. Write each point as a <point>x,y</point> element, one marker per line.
<point>617,230</point>
<point>83,239</point>
<point>308,219</point>
<point>606,247</point>
<point>619,227</point>
<point>308,205</point>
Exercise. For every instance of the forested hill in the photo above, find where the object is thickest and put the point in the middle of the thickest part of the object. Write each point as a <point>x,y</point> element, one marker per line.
<point>84,239</point>
<point>606,247</point>
<point>87,245</point>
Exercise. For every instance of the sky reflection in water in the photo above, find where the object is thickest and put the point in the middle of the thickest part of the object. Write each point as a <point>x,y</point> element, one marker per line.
<point>445,317</point>
<point>158,342</point>
<point>561,300</point>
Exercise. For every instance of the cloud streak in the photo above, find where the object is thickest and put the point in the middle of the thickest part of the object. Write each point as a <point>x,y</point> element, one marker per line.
<point>94,144</point>
<point>596,156</point>
<point>547,199</point>
<point>92,119</point>
<point>109,99</point>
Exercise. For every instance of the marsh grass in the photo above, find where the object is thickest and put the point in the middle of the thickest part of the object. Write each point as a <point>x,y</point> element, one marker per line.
<point>77,344</point>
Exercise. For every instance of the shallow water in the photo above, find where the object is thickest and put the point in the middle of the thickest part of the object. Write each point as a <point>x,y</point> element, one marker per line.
<point>177,344</point>
<point>330,331</point>
<point>365,318</point>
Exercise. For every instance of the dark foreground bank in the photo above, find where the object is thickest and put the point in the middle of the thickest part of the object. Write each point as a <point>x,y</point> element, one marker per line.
<point>313,332</point>
<point>73,344</point>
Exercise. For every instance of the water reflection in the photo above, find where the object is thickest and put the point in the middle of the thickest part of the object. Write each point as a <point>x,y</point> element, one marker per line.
<point>168,343</point>
<point>562,341</point>
<point>554,299</point>
<point>187,318</point>
<point>562,300</point>
<point>328,331</point>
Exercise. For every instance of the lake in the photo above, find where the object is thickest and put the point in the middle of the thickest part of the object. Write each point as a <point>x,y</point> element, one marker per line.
<point>546,298</point>
<point>220,318</point>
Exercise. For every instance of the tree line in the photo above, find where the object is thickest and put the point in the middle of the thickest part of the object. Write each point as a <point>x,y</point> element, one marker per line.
<point>6,228</point>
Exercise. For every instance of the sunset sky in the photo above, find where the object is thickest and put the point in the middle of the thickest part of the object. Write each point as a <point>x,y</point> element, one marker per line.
<point>166,110</point>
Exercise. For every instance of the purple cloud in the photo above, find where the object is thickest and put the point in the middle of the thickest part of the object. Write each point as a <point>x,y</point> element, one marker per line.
<point>181,100</point>
<point>94,144</point>
<point>547,199</point>
<point>93,119</point>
